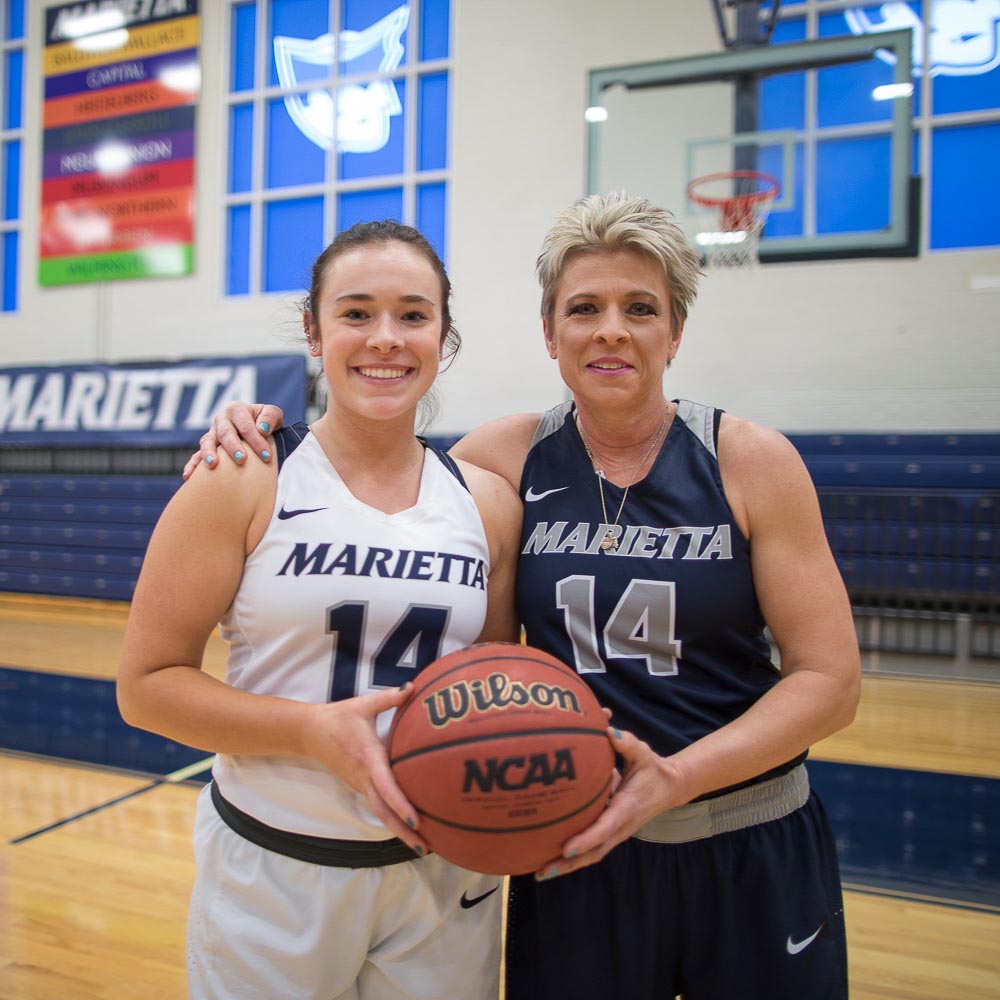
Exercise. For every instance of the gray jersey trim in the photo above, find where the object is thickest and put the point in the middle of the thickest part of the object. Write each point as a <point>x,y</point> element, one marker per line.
<point>551,421</point>
<point>761,803</point>
<point>699,418</point>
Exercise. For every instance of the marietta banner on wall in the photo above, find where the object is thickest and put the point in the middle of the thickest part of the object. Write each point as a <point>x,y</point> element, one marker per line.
<point>122,79</point>
<point>149,404</point>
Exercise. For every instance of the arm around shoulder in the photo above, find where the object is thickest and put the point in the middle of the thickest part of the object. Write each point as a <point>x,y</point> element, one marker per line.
<point>500,510</point>
<point>500,446</point>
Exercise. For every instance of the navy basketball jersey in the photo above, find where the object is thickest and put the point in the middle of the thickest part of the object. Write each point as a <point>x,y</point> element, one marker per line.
<point>666,628</point>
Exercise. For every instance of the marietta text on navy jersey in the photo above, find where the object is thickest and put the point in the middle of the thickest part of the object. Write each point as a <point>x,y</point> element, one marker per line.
<point>712,541</point>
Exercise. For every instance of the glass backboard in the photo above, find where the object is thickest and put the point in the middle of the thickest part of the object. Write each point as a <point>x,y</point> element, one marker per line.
<point>830,120</point>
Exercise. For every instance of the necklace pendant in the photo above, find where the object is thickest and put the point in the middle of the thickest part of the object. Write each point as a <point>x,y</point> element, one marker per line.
<point>609,542</point>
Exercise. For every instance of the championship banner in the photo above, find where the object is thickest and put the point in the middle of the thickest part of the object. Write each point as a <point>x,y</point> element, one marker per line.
<point>122,79</point>
<point>154,404</point>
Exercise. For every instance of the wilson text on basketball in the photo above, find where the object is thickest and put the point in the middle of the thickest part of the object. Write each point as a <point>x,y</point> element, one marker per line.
<point>496,693</point>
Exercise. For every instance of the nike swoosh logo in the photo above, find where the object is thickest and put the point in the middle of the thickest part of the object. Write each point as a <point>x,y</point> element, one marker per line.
<point>531,496</point>
<point>284,515</point>
<point>467,903</point>
<point>794,947</point>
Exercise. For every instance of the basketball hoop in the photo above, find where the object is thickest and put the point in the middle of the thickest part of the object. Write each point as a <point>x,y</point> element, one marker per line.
<point>742,199</point>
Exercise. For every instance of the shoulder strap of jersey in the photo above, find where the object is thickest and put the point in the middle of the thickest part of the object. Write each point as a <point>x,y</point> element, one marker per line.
<point>288,439</point>
<point>446,460</point>
<point>703,422</point>
<point>551,421</point>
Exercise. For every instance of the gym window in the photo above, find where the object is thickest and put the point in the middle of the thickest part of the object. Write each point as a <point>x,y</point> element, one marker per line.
<point>337,113</point>
<point>956,106</point>
<point>11,141</point>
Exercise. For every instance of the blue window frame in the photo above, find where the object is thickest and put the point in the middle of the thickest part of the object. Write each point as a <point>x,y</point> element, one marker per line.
<point>338,113</point>
<point>12,14</point>
<point>956,102</point>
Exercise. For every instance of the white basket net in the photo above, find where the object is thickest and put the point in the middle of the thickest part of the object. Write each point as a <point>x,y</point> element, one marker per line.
<point>731,221</point>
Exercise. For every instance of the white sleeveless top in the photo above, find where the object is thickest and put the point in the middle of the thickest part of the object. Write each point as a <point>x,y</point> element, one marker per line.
<point>340,599</point>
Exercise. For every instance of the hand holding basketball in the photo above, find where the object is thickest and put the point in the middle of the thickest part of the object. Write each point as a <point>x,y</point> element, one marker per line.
<point>649,785</point>
<point>342,736</point>
<point>504,753</point>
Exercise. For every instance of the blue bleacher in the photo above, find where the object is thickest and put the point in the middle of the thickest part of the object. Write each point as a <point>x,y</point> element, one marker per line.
<point>976,445</point>
<point>77,718</point>
<point>902,461</point>
<point>913,521</point>
<point>906,472</point>
<point>86,509</point>
<point>59,487</point>
<point>912,540</point>
<point>933,579</point>
<point>916,515</point>
<point>78,535</point>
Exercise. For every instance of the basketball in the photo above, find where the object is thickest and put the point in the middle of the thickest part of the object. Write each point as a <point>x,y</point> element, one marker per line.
<point>503,751</point>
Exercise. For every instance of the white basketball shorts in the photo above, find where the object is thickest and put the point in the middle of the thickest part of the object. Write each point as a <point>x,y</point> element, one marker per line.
<point>263,926</point>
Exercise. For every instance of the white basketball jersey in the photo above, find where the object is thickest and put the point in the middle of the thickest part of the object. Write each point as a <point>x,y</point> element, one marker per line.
<point>340,599</point>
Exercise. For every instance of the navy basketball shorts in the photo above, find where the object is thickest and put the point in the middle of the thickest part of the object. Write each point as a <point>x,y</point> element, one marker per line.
<point>753,914</point>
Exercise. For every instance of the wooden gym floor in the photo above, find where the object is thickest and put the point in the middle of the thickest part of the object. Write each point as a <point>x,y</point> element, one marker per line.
<point>95,861</point>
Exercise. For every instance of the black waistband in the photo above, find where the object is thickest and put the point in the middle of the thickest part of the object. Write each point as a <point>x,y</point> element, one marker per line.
<point>315,850</point>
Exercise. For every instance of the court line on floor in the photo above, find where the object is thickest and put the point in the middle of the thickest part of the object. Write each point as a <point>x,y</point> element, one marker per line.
<point>919,897</point>
<point>199,767</point>
<point>175,777</point>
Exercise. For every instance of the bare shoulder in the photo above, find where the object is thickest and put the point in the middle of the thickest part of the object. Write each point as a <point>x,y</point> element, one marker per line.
<point>500,446</point>
<point>499,507</point>
<point>229,480</point>
<point>489,489</point>
<point>239,498</point>
<point>743,443</point>
<point>761,469</point>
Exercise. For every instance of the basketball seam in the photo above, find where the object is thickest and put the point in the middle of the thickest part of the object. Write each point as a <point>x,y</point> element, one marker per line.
<point>487,737</point>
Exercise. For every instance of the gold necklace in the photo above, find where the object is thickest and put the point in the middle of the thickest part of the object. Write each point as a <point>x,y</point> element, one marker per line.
<point>609,541</point>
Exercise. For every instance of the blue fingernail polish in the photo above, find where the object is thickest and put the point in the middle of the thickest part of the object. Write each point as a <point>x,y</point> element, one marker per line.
<point>618,734</point>
<point>209,459</point>
<point>239,456</point>
<point>265,454</point>
<point>548,873</point>
<point>411,823</point>
<point>264,426</point>
<point>572,854</point>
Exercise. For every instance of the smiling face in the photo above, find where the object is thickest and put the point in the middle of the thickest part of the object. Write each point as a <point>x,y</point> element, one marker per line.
<point>378,325</point>
<point>610,328</point>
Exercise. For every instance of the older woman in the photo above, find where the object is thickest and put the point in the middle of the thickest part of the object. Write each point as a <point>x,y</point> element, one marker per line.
<point>660,538</point>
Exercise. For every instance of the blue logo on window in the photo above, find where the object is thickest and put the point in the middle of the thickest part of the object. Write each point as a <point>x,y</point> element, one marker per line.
<point>360,123</point>
<point>964,37</point>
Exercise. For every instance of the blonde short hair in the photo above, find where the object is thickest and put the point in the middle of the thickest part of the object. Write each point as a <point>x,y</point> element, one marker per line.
<point>604,223</point>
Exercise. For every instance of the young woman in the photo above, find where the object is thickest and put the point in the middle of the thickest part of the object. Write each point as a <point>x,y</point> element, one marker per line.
<point>336,573</point>
<point>685,531</point>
